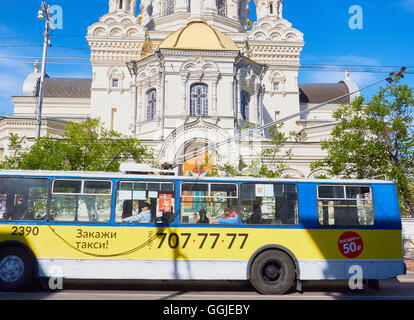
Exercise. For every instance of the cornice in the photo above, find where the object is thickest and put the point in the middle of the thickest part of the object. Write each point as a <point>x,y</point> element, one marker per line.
<point>20,122</point>
<point>200,53</point>
<point>46,100</point>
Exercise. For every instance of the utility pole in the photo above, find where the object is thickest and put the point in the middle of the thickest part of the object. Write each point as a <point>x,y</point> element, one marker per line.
<point>43,14</point>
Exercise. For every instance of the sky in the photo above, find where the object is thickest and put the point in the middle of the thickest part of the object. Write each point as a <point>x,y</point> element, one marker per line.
<point>383,38</point>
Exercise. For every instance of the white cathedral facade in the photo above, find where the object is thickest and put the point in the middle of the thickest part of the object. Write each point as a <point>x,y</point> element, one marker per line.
<point>202,75</point>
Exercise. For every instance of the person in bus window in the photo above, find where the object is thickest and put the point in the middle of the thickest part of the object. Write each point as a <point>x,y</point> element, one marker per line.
<point>126,209</point>
<point>19,211</point>
<point>203,217</point>
<point>166,218</point>
<point>143,217</point>
<point>256,217</point>
<point>228,218</point>
<point>234,212</point>
<point>196,217</point>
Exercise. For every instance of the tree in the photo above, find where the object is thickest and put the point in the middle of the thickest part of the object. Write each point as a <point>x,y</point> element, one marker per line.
<point>85,146</point>
<point>375,140</point>
<point>269,162</point>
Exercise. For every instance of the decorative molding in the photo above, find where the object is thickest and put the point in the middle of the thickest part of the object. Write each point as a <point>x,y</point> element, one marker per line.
<point>201,53</point>
<point>115,24</point>
<point>271,29</point>
<point>199,129</point>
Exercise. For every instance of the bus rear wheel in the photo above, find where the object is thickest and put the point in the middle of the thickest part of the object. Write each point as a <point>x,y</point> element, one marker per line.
<point>272,272</point>
<point>16,268</point>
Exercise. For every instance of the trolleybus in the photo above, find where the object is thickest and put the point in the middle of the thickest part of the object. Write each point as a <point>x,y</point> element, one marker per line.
<point>271,232</point>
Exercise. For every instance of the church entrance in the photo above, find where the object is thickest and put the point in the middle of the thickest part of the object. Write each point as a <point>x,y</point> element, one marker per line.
<point>194,164</point>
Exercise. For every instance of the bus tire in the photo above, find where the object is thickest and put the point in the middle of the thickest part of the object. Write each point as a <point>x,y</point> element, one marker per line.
<point>272,272</point>
<point>16,268</point>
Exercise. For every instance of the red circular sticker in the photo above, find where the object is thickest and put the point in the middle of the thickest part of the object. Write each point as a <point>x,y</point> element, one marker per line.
<point>350,244</point>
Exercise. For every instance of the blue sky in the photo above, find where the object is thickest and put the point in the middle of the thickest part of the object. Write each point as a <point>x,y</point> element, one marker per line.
<point>385,40</point>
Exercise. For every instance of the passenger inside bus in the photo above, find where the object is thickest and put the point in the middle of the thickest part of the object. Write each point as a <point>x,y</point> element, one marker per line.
<point>127,209</point>
<point>143,217</point>
<point>18,211</point>
<point>256,217</point>
<point>203,217</point>
<point>230,217</point>
<point>166,218</point>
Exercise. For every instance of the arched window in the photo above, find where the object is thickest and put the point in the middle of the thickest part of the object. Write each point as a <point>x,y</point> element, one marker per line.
<point>199,100</point>
<point>151,104</point>
<point>168,7</point>
<point>244,105</point>
<point>221,7</point>
<point>271,8</point>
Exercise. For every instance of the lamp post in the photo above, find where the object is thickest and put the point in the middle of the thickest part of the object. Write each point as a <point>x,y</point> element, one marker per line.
<point>43,14</point>
<point>133,70</point>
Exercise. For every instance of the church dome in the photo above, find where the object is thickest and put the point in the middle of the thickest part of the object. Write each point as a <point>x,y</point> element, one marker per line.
<point>198,35</point>
<point>31,83</point>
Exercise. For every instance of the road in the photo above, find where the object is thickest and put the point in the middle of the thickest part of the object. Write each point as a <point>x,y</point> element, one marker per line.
<point>401,288</point>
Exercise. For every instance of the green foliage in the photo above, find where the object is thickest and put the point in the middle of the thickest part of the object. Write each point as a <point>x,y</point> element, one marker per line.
<point>85,146</point>
<point>268,164</point>
<point>375,140</point>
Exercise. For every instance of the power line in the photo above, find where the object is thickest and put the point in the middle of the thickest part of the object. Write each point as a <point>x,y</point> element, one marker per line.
<point>52,58</point>
<point>214,146</point>
<point>59,63</point>
<point>78,61</point>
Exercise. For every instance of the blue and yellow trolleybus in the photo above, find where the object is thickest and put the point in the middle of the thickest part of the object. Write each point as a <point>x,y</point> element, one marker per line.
<point>272,232</point>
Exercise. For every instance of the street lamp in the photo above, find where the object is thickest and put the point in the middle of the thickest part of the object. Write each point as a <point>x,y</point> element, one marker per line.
<point>43,14</point>
<point>133,70</point>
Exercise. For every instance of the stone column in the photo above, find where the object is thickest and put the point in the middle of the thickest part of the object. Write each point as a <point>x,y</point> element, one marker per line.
<point>210,7</point>
<point>197,8</point>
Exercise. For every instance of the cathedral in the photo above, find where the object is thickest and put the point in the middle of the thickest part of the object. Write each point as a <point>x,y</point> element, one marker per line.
<point>184,74</point>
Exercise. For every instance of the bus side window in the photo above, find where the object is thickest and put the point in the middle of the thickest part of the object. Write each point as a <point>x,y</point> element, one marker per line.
<point>23,199</point>
<point>206,203</point>
<point>269,203</point>
<point>141,202</point>
<point>81,200</point>
<point>342,205</point>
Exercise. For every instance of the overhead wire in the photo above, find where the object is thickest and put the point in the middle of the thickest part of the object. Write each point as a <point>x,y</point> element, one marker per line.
<point>303,67</point>
<point>238,137</point>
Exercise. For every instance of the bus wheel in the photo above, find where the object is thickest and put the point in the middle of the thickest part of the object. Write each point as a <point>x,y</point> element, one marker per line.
<point>16,268</point>
<point>272,272</point>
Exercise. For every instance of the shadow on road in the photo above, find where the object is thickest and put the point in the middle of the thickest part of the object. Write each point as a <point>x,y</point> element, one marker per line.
<point>401,288</point>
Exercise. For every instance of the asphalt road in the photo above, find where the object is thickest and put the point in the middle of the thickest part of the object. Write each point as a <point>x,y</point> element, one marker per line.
<point>401,288</point>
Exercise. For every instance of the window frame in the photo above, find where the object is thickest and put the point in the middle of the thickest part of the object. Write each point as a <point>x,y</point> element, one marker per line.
<point>47,198</point>
<point>126,180</point>
<point>345,199</point>
<point>209,189</point>
<point>274,225</point>
<point>244,108</point>
<point>221,8</point>
<point>168,7</point>
<point>203,109</point>
<point>82,187</point>
<point>151,111</point>
<point>81,194</point>
<point>209,196</point>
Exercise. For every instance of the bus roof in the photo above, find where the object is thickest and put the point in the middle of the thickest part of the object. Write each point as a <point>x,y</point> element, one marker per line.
<point>99,174</point>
